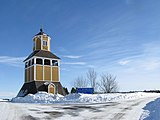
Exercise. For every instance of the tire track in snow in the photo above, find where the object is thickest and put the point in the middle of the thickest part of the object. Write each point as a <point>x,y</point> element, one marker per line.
<point>121,114</point>
<point>118,116</point>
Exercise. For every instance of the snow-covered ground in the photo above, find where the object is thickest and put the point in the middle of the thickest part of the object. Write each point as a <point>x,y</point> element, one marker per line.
<point>132,106</point>
<point>43,97</point>
<point>3,100</point>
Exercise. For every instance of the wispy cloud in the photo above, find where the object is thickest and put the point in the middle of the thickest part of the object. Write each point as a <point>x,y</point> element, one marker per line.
<point>74,63</point>
<point>148,61</point>
<point>124,62</point>
<point>128,60</point>
<point>71,56</point>
<point>142,64</point>
<point>12,61</point>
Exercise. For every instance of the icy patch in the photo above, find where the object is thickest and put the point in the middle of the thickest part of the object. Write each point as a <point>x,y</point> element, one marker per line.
<point>46,98</point>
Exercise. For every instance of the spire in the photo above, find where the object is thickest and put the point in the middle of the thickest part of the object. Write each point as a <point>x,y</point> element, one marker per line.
<point>41,29</point>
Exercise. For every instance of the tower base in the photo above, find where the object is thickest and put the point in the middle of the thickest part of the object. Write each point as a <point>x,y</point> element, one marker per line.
<point>35,86</point>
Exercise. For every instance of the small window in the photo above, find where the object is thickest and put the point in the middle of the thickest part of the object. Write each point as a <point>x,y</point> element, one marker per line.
<point>32,61</point>
<point>46,62</point>
<point>44,42</point>
<point>54,62</point>
<point>39,61</point>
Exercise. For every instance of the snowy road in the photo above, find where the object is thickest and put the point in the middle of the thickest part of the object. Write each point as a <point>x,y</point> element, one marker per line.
<point>124,110</point>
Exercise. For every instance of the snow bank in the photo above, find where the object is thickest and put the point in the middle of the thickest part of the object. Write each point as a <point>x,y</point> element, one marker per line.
<point>43,97</point>
<point>40,97</point>
<point>151,110</point>
<point>100,98</point>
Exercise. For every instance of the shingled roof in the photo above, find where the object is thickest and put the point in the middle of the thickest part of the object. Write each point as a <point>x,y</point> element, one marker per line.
<point>42,53</point>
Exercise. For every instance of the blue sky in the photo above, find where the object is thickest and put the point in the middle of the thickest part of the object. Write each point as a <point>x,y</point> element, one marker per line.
<point>121,37</point>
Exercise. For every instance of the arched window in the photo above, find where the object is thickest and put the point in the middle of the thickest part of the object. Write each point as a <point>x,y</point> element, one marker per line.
<point>39,61</point>
<point>51,88</point>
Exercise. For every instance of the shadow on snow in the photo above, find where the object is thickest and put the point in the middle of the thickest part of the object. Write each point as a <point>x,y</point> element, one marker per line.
<point>153,109</point>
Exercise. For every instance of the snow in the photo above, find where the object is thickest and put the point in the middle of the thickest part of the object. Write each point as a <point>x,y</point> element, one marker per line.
<point>151,110</point>
<point>144,115</point>
<point>129,106</point>
<point>46,98</point>
<point>3,100</point>
<point>40,97</point>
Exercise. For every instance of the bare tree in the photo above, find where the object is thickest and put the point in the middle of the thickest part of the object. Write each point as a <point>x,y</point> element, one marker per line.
<point>92,76</point>
<point>80,82</point>
<point>108,83</point>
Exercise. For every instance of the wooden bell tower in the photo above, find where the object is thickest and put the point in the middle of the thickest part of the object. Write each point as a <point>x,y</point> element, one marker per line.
<point>42,68</point>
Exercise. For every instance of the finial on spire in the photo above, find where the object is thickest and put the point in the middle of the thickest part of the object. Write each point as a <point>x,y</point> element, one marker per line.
<point>41,30</point>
